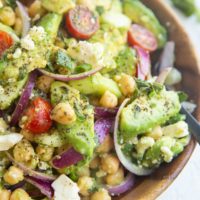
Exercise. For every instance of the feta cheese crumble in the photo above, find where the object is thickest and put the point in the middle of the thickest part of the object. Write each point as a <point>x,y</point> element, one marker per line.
<point>65,188</point>
<point>27,43</point>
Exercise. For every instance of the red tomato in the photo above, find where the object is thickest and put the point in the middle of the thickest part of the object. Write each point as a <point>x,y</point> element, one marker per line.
<point>81,23</point>
<point>138,35</point>
<point>6,41</point>
<point>38,114</point>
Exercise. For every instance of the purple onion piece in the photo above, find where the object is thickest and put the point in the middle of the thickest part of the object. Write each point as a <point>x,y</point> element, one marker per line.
<point>102,128</point>
<point>126,185</point>
<point>144,63</point>
<point>24,99</point>
<point>163,75</point>
<point>66,158</point>
<point>14,187</point>
<point>101,112</point>
<point>166,59</point>
<point>74,77</point>
<point>25,18</point>
<point>44,186</point>
<point>29,171</point>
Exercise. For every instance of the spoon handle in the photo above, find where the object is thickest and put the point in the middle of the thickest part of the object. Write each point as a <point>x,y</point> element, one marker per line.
<point>194,125</point>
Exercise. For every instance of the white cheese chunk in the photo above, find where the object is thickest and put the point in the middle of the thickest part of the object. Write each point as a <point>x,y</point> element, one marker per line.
<point>65,189</point>
<point>9,140</point>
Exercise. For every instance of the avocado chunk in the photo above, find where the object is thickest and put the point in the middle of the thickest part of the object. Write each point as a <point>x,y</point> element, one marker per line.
<point>146,112</point>
<point>126,62</point>
<point>96,85</point>
<point>164,150</point>
<point>10,92</point>
<point>80,134</point>
<point>52,138</point>
<point>51,23</point>
<point>142,15</point>
<point>58,6</point>
<point>10,31</point>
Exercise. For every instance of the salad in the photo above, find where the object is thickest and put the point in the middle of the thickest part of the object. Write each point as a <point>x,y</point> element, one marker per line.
<point>83,109</point>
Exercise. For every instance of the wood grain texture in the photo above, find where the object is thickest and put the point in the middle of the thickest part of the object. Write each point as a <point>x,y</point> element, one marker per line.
<point>148,188</point>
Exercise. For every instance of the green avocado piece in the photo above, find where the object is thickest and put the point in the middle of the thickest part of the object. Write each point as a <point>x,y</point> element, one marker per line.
<point>10,31</point>
<point>146,112</point>
<point>126,62</point>
<point>96,85</point>
<point>80,134</point>
<point>154,155</point>
<point>10,93</point>
<point>51,22</point>
<point>142,15</point>
<point>58,6</point>
<point>52,139</point>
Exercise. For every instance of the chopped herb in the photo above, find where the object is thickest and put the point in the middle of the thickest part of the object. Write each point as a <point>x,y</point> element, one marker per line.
<point>63,60</point>
<point>11,3</point>
<point>182,96</point>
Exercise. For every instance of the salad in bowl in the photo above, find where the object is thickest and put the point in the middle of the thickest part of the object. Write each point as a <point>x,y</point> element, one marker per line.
<point>83,111</point>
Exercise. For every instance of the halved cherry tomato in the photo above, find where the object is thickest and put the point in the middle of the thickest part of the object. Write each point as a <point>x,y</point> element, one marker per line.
<point>38,116</point>
<point>81,23</point>
<point>6,41</point>
<point>138,35</point>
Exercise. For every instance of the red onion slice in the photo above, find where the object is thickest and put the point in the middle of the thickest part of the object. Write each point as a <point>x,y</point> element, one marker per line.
<point>130,166</point>
<point>25,18</point>
<point>101,112</point>
<point>30,172</point>
<point>24,99</point>
<point>126,185</point>
<point>144,63</point>
<point>74,77</point>
<point>102,128</point>
<point>44,186</point>
<point>163,75</point>
<point>166,59</point>
<point>66,158</point>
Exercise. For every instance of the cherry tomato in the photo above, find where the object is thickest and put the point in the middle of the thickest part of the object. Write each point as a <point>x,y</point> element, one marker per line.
<point>6,41</point>
<point>38,116</point>
<point>138,35</point>
<point>81,23</point>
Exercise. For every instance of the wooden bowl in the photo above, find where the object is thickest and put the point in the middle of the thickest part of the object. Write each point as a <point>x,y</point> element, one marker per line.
<point>149,188</point>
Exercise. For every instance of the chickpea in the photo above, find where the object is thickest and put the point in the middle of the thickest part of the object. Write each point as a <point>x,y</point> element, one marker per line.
<point>106,146</point>
<point>3,125</point>
<point>36,9</point>
<point>127,84</point>
<point>63,113</point>
<point>116,178</point>
<point>108,100</point>
<point>95,163</point>
<point>18,26</point>
<point>101,195</point>
<point>23,151</point>
<point>20,194</point>
<point>85,183</point>
<point>83,171</point>
<point>155,133</point>
<point>13,176</point>
<point>44,83</point>
<point>4,194</point>
<point>33,162</point>
<point>27,135</point>
<point>7,16</point>
<point>110,163</point>
<point>44,152</point>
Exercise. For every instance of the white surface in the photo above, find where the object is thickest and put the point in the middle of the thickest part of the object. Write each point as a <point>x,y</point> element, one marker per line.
<point>187,185</point>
